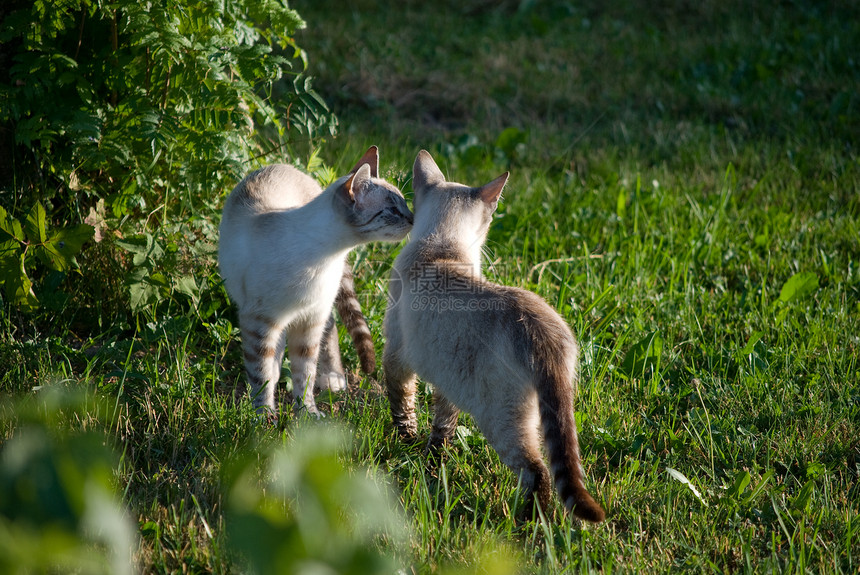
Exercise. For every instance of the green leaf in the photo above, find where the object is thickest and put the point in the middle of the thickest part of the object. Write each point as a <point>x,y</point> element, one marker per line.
<point>798,286</point>
<point>68,519</point>
<point>801,501</point>
<point>509,141</point>
<point>19,288</point>
<point>758,488</point>
<point>135,245</point>
<point>10,228</point>
<point>10,257</point>
<point>144,247</point>
<point>142,293</point>
<point>188,285</point>
<point>643,354</point>
<point>9,249</point>
<point>34,225</point>
<point>742,480</point>
<point>262,525</point>
<point>65,244</point>
<point>158,279</point>
<point>621,203</point>
<point>750,346</point>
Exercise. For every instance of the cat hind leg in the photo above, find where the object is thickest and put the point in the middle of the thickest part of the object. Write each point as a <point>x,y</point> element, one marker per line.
<point>514,434</point>
<point>535,478</point>
<point>330,374</point>
<point>303,343</point>
<point>444,422</point>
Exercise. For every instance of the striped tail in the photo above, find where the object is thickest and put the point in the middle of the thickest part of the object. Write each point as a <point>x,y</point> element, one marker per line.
<point>555,400</point>
<point>350,313</point>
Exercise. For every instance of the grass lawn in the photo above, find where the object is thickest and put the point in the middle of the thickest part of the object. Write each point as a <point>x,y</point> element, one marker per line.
<point>685,191</point>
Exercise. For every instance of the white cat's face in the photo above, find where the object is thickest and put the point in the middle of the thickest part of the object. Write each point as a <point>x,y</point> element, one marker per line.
<point>372,207</point>
<point>381,212</point>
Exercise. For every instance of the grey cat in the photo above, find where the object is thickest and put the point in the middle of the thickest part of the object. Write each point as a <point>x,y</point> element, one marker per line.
<point>282,254</point>
<point>500,353</point>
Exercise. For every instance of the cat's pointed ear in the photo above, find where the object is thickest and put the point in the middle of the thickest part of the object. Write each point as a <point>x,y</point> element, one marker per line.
<point>370,158</point>
<point>352,187</point>
<point>490,193</point>
<point>425,172</point>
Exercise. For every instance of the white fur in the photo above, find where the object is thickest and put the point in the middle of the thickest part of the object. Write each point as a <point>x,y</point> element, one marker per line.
<point>283,247</point>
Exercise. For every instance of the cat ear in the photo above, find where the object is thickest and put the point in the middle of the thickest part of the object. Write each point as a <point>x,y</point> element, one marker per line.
<point>425,172</point>
<point>370,158</point>
<point>490,193</point>
<point>353,186</point>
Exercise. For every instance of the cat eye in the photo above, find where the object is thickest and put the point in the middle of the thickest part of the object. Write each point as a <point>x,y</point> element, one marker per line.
<point>401,214</point>
<point>390,211</point>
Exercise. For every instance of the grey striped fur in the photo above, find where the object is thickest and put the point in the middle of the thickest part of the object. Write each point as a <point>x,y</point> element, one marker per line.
<point>500,353</point>
<point>350,313</point>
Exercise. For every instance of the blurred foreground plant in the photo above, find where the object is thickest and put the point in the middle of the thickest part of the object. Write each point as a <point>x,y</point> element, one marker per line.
<point>309,514</point>
<point>300,511</point>
<point>58,508</point>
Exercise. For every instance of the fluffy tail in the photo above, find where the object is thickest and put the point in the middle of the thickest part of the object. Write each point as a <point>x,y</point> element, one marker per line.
<point>555,373</point>
<point>350,313</point>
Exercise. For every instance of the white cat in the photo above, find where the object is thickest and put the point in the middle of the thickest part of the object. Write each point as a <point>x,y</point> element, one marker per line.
<point>282,254</point>
<point>500,353</point>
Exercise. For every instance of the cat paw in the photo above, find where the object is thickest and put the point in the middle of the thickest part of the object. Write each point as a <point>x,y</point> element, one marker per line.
<point>435,447</point>
<point>407,427</point>
<point>267,416</point>
<point>309,411</point>
<point>332,381</point>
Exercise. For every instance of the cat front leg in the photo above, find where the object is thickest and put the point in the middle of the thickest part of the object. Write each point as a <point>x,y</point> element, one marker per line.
<point>262,349</point>
<point>303,343</point>
<point>330,374</point>
<point>400,384</point>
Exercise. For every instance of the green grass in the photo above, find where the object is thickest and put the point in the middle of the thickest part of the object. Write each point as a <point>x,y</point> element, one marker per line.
<point>674,166</point>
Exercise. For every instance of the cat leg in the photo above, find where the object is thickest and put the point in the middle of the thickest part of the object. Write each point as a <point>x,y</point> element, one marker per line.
<point>444,422</point>
<point>303,342</point>
<point>353,319</point>
<point>515,436</point>
<point>537,485</point>
<point>261,342</point>
<point>525,459</point>
<point>278,364</point>
<point>400,383</point>
<point>330,373</point>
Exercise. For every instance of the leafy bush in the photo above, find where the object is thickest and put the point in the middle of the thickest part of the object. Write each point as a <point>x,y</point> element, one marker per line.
<point>57,251</point>
<point>152,107</point>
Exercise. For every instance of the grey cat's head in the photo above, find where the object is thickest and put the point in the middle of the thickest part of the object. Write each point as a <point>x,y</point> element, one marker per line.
<point>373,208</point>
<point>450,209</point>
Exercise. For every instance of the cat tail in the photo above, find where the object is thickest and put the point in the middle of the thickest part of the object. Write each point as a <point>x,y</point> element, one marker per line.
<point>349,311</point>
<point>555,372</point>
